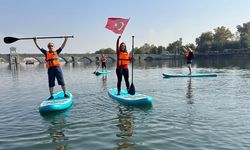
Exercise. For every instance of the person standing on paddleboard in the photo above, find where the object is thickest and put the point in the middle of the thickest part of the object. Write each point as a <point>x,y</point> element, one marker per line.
<point>123,59</point>
<point>53,65</point>
<point>103,60</point>
<point>189,55</point>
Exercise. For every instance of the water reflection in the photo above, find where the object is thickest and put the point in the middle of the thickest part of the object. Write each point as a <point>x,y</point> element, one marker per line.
<point>74,64</point>
<point>222,62</point>
<point>104,82</point>
<point>189,93</point>
<point>57,127</point>
<point>200,62</point>
<point>125,125</point>
<point>15,70</point>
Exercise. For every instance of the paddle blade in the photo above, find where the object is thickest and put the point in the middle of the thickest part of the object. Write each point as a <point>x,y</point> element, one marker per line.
<point>131,90</point>
<point>8,40</point>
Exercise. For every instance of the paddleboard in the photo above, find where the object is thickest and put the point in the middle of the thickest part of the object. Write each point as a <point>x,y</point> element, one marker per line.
<point>58,103</point>
<point>165,75</point>
<point>125,98</point>
<point>102,72</point>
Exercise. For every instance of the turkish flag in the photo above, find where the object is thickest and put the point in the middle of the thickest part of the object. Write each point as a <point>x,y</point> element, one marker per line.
<point>117,25</point>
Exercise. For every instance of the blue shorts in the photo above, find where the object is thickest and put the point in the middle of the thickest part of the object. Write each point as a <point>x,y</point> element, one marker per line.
<point>189,61</point>
<point>55,72</point>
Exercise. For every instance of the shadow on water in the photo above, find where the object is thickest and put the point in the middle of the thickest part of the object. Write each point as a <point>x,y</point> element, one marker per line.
<point>126,125</point>
<point>15,70</point>
<point>104,78</point>
<point>104,82</point>
<point>57,127</point>
<point>189,93</point>
<point>222,62</point>
<point>219,62</point>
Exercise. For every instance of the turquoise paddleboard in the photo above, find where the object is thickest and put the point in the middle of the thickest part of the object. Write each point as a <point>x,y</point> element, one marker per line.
<point>165,75</point>
<point>58,103</point>
<point>128,99</point>
<point>102,72</point>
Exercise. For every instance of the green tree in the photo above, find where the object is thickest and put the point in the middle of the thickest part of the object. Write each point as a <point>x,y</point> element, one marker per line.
<point>175,47</point>
<point>204,41</point>
<point>191,45</point>
<point>222,35</point>
<point>149,49</point>
<point>153,50</point>
<point>138,50</point>
<point>105,51</point>
<point>244,34</point>
<point>146,48</point>
<point>160,49</point>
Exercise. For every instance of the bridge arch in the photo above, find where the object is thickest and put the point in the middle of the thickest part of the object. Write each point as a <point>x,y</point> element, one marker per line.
<point>149,58</point>
<point>3,60</point>
<point>110,59</point>
<point>23,59</point>
<point>85,58</point>
<point>64,59</point>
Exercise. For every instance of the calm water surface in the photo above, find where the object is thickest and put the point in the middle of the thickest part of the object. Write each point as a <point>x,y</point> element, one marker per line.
<point>188,113</point>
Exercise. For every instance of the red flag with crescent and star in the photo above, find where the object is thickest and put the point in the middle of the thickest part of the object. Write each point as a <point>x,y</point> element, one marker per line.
<point>117,25</point>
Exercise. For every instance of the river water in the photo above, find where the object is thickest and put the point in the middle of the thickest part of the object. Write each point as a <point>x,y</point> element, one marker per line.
<point>187,113</point>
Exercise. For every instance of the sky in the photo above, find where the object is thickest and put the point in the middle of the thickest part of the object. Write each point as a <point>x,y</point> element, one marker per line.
<point>157,22</point>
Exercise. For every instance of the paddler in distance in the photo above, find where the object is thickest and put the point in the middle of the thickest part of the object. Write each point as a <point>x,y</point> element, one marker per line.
<point>103,60</point>
<point>189,55</point>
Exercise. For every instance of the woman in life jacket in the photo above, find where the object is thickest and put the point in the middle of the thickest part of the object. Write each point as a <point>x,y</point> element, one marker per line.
<point>103,60</point>
<point>189,55</point>
<point>123,59</point>
<point>53,65</point>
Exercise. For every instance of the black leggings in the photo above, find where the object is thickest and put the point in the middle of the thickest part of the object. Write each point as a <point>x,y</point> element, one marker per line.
<point>103,65</point>
<point>119,73</point>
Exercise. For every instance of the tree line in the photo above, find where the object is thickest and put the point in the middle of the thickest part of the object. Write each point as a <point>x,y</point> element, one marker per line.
<point>215,41</point>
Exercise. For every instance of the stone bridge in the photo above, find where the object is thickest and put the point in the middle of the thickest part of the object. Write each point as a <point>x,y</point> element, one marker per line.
<point>14,57</point>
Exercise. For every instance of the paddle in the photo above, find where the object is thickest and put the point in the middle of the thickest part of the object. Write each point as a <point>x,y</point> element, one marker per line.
<point>96,69</point>
<point>131,90</point>
<point>9,40</point>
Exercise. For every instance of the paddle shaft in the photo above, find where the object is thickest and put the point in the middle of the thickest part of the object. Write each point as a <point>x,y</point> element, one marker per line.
<point>47,37</point>
<point>97,68</point>
<point>9,40</point>
<point>133,58</point>
<point>131,90</point>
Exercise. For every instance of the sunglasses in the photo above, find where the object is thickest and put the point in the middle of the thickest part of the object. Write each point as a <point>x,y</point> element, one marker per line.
<point>51,46</point>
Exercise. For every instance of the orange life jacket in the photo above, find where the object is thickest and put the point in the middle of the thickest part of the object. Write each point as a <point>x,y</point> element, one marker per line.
<point>103,59</point>
<point>123,58</point>
<point>52,59</point>
<point>187,53</point>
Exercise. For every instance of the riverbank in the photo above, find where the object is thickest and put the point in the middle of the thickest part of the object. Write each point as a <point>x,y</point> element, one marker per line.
<point>68,58</point>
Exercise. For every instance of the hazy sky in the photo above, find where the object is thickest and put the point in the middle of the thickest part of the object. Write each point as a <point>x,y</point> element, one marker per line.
<point>157,22</point>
